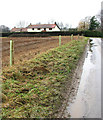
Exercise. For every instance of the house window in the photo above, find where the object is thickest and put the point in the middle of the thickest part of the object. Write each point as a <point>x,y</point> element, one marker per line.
<point>32,28</point>
<point>38,28</point>
<point>50,28</point>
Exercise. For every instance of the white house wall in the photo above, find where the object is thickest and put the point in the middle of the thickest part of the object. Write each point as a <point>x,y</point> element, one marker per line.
<point>47,29</point>
<point>35,30</point>
<point>53,29</point>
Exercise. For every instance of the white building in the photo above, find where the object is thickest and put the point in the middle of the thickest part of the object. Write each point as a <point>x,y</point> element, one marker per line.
<point>38,28</point>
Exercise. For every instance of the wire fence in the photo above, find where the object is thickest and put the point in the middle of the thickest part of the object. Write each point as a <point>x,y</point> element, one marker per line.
<point>26,48</point>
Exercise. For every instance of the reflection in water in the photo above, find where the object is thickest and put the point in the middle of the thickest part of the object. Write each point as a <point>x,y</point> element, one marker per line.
<point>88,100</point>
<point>90,45</point>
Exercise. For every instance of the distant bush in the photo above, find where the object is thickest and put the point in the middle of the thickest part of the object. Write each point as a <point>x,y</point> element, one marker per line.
<point>6,34</point>
<point>93,33</point>
<point>42,35</point>
<point>29,35</point>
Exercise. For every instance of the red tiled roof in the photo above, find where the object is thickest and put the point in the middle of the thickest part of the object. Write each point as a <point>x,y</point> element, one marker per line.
<point>24,29</point>
<point>19,29</point>
<point>15,29</point>
<point>42,26</point>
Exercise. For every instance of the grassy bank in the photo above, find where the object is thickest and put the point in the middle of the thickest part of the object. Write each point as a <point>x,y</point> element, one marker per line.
<point>36,87</point>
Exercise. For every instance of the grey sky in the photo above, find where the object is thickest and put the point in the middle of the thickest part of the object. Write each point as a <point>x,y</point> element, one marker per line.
<point>33,11</point>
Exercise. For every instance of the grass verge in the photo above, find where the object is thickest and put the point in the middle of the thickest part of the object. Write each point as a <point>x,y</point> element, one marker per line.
<point>35,88</point>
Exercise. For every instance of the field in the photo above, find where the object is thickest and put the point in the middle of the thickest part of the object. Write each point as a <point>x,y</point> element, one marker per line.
<point>26,48</point>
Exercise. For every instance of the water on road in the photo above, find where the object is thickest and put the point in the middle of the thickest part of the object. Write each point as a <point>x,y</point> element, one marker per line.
<point>87,103</point>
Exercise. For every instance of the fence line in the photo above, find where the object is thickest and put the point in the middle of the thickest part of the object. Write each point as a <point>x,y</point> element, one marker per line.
<point>24,45</point>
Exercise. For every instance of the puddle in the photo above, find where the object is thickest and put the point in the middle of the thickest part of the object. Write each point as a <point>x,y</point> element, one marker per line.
<point>90,45</point>
<point>87,102</point>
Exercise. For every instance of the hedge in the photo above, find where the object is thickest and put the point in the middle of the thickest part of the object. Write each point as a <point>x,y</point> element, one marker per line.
<point>46,34</point>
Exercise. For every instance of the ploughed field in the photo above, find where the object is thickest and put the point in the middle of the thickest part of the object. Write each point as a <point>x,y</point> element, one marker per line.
<point>26,48</point>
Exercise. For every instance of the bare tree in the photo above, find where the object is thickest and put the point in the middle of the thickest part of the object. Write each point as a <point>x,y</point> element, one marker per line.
<point>84,23</point>
<point>38,23</point>
<point>51,21</point>
<point>22,24</point>
<point>60,24</point>
<point>98,16</point>
<point>4,28</point>
<point>102,16</point>
<point>66,27</point>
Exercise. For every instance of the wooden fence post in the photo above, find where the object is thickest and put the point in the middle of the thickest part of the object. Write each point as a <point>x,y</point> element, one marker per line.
<point>78,36</point>
<point>11,53</point>
<point>59,40</point>
<point>72,37</point>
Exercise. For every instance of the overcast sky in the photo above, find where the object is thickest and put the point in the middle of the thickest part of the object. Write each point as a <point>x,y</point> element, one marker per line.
<point>34,11</point>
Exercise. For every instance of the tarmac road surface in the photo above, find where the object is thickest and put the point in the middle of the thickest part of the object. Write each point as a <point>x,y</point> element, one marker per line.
<point>87,103</point>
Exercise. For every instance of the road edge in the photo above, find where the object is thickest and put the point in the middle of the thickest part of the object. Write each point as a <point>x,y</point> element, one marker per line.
<point>72,90</point>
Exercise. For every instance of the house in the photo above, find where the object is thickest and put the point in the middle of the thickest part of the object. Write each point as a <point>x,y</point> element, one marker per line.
<point>38,28</point>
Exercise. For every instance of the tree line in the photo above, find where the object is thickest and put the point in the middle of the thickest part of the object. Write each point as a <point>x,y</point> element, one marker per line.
<point>90,23</point>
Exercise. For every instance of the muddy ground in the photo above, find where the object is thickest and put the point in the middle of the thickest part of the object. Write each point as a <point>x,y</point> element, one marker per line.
<point>26,48</point>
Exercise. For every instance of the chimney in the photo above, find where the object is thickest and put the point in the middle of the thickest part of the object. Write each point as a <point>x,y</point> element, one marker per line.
<point>55,23</point>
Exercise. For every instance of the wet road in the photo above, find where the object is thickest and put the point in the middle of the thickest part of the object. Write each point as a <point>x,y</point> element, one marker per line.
<point>102,77</point>
<point>87,103</point>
